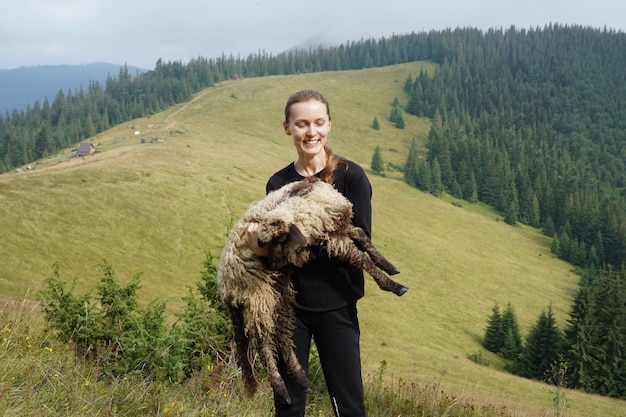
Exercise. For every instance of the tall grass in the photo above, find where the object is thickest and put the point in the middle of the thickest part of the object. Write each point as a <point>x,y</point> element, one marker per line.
<point>42,377</point>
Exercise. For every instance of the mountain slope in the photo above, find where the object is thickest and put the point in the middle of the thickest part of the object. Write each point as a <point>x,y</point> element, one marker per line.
<point>158,207</point>
<point>25,85</point>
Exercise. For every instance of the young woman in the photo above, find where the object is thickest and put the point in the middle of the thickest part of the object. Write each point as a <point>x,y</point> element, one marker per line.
<point>326,290</point>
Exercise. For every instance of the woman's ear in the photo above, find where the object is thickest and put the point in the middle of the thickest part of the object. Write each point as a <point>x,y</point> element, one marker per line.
<point>286,128</point>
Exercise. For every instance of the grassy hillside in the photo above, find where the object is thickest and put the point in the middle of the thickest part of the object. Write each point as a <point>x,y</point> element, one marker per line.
<point>157,208</point>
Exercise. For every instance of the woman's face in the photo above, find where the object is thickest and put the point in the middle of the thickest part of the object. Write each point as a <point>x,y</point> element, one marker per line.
<point>308,125</point>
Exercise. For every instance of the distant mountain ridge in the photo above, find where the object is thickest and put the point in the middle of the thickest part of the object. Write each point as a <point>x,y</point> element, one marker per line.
<point>24,86</point>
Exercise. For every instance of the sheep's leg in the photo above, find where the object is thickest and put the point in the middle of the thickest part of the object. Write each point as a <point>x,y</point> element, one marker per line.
<point>264,335</point>
<point>288,354</point>
<point>267,351</point>
<point>342,247</point>
<point>284,338</point>
<point>303,187</point>
<point>365,244</point>
<point>242,341</point>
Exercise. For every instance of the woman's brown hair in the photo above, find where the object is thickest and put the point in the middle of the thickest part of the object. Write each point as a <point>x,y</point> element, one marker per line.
<point>332,161</point>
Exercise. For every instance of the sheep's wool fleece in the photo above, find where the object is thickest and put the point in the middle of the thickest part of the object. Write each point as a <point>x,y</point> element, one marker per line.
<point>242,277</point>
<point>249,282</point>
<point>317,212</point>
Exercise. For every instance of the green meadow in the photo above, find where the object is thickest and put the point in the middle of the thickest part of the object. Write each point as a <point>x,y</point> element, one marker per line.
<point>157,208</point>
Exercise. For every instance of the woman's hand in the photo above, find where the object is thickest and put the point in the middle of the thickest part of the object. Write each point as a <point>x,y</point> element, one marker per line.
<point>252,239</point>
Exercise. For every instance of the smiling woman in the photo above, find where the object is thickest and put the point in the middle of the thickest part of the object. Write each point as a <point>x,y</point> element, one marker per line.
<point>307,121</point>
<point>327,290</point>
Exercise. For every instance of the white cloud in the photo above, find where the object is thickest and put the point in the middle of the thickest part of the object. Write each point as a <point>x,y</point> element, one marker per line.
<point>138,32</point>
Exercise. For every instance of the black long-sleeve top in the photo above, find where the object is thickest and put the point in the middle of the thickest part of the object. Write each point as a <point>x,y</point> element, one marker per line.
<point>325,284</point>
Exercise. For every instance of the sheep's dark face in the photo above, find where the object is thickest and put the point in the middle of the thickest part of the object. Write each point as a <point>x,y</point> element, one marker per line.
<point>279,247</point>
<point>272,227</point>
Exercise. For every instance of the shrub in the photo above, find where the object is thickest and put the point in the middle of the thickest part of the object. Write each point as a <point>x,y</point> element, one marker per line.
<point>120,337</point>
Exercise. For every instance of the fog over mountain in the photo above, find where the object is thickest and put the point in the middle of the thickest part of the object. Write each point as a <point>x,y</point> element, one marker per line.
<point>140,32</point>
<point>21,87</point>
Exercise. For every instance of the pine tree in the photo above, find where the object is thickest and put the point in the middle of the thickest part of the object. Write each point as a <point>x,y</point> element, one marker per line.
<point>396,118</point>
<point>399,120</point>
<point>408,84</point>
<point>543,349</point>
<point>378,165</point>
<point>375,124</point>
<point>548,227</point>
<point>43,142</point>
<point>411,165</point>
<point>608,323</point>
<point>493,333</point>
<point>471,192</point>
<point>436,185</point>
<point>424,176</point>
<point>511,336</point>
<point>555,246</point>
<point>579,343</point>
<point>510,216</point>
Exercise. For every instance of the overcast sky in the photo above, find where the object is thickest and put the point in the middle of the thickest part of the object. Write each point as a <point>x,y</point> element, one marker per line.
<point>139,32</point>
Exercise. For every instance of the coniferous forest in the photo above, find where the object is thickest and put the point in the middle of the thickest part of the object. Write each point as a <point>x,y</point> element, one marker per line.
<point>529,121</point>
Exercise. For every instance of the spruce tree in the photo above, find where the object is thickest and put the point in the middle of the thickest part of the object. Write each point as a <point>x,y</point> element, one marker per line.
<point>511,336</point>
<point>493,333</point>
<point>510,216</point>
<point>436,185</point>
<point>396,118</point>
<point>375,124</point>
<point>543,348</point>
<point>424,176</point>
<point>579,342</point>
<point>411,166</point>
<point>548,227</point>
<point>608,322</point>
<point>378,165</point>
<point>399,120</point>
<point>471,192</point>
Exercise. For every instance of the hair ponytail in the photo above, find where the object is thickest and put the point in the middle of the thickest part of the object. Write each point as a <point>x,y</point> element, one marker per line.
<point>332,163</point>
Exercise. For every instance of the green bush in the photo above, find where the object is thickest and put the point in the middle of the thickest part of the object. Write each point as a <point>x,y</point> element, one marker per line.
<point>111,329</point>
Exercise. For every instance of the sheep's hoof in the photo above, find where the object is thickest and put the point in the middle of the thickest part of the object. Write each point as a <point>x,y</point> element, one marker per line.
<point>401,291</point>
<point>286,399</point>
<point>394,271</point>
<point>308,390</point>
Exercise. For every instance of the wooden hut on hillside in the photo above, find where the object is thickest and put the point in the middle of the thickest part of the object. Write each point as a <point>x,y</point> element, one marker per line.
<point>85,149</point>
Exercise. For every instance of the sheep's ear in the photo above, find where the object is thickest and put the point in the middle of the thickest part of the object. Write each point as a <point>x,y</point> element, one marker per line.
<point>296,236</point>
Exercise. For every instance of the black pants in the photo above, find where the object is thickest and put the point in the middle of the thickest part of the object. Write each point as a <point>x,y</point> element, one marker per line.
<point>336,335</point>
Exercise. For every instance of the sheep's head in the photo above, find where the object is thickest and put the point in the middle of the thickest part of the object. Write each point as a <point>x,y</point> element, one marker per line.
<point>272,228</point>
<point>281,245</point>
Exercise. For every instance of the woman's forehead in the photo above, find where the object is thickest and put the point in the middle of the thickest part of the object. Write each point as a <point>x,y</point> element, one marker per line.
<point>310,109</point>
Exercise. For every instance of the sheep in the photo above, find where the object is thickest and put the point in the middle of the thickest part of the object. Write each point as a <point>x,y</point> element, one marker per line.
<point>296,220</point>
